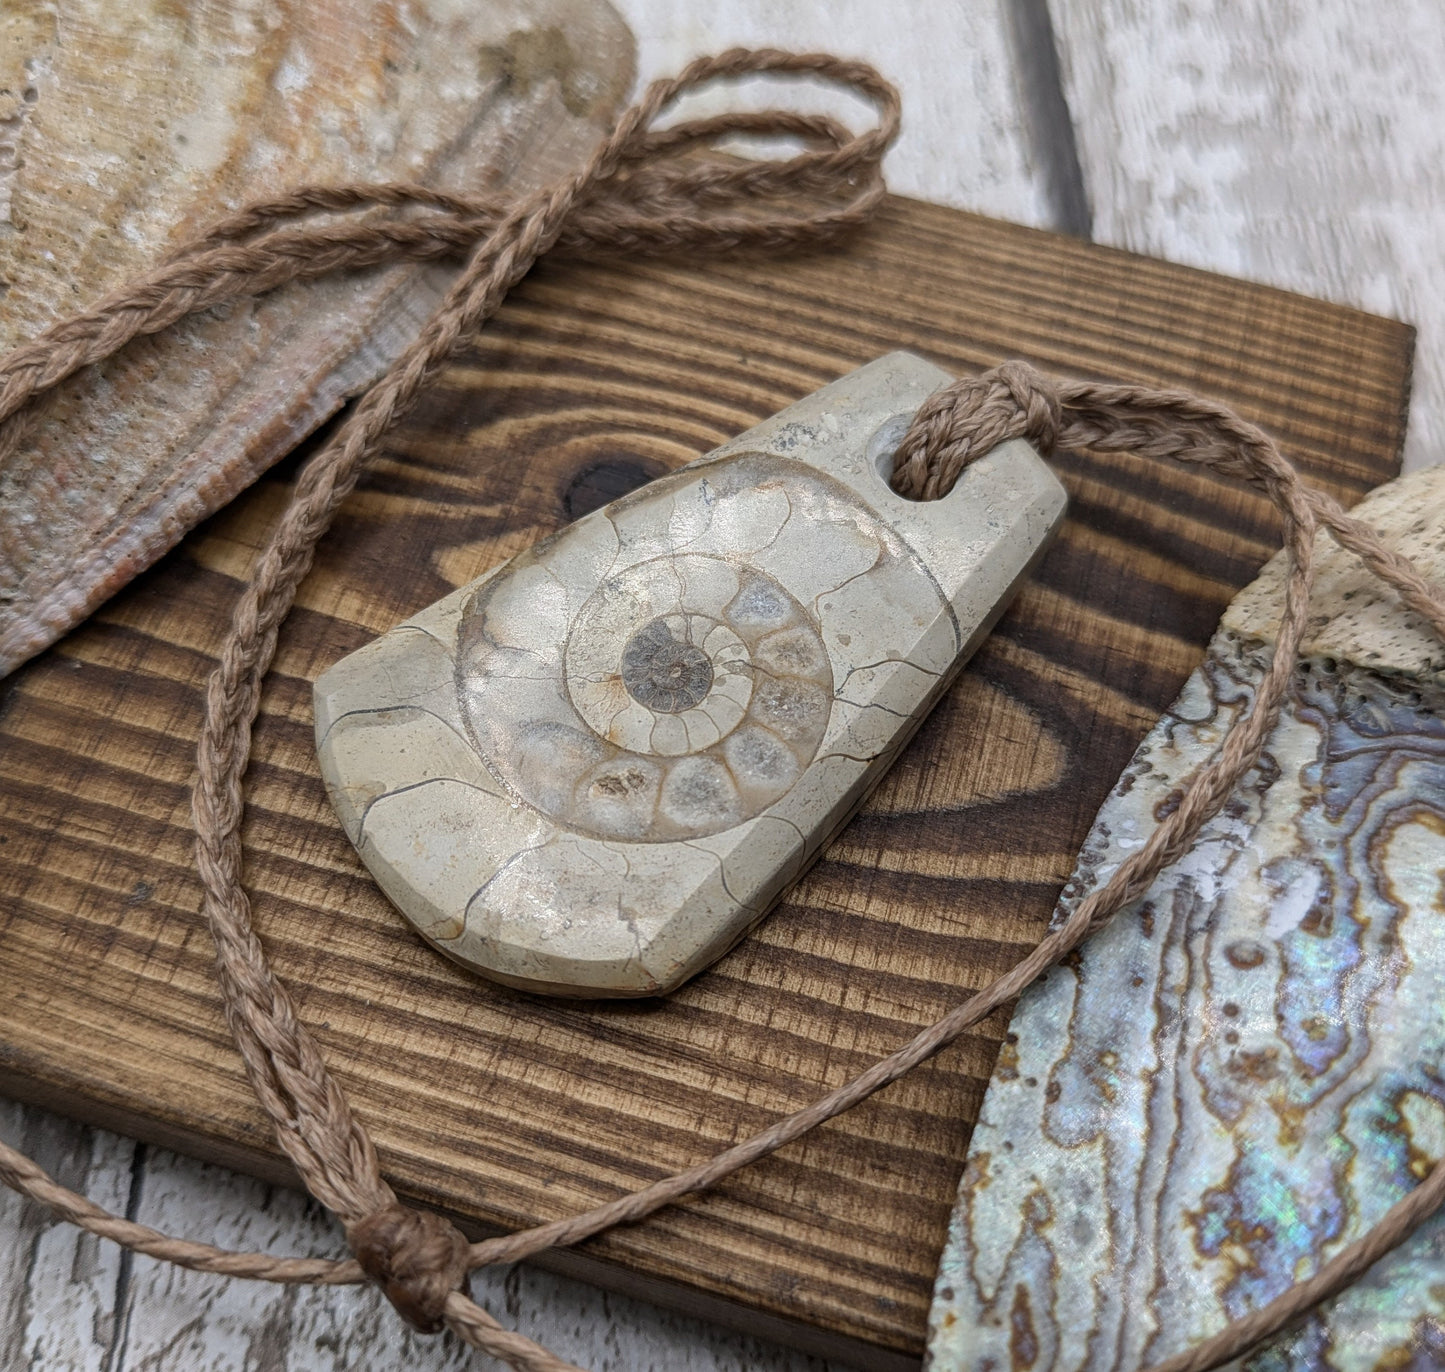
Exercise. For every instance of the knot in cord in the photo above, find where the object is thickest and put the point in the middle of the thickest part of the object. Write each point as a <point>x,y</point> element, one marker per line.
<point>635,195</point>
<point>960,423</point>
<point>416,1257</point>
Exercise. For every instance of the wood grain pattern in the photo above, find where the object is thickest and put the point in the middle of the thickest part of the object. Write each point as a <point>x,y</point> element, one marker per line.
<point>505,1109</point>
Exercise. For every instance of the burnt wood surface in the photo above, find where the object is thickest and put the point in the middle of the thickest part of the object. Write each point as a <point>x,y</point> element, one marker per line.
<point>506,1109</point>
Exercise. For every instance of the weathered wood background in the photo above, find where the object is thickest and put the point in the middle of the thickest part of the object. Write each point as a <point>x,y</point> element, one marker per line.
<point>1294,141</point>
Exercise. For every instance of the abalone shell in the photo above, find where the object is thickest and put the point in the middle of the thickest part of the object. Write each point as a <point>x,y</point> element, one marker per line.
<point>125,127</point>
<point>1246,1068</point>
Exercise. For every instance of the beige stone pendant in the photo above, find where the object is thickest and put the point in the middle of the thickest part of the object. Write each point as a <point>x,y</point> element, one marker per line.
<point>591,770</point>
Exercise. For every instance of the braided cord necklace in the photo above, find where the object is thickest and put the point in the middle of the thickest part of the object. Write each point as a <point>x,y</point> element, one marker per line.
<point>634,196</point>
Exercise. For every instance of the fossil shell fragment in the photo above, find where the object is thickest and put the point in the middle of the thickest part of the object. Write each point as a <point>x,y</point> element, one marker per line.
<point>126,126</point>
<point>1245,1069</point>
<point>590,771</point>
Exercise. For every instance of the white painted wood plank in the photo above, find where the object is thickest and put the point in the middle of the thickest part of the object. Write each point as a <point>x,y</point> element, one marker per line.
<point>58,1285</point>
<point>964,139</point>
<point>185,1322</point>
<point>1295,142</point>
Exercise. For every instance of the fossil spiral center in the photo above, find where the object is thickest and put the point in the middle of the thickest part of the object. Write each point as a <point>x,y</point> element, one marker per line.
<point>663,672</point>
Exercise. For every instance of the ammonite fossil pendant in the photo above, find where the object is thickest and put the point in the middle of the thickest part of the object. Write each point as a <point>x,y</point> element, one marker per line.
<point>591,770</point>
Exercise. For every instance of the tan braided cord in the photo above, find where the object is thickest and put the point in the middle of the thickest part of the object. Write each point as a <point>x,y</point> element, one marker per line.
<point>643,191</point>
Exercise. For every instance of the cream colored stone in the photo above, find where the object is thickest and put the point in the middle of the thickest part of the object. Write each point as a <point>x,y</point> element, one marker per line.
<point>1355,617</point>
<point>591,770</point>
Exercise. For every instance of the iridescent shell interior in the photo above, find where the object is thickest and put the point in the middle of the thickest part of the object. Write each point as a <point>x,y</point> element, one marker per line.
<point>1245,1069</point>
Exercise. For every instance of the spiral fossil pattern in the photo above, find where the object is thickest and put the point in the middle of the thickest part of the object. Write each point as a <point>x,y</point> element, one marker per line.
<point>691,693</point>
<point>592,769</point>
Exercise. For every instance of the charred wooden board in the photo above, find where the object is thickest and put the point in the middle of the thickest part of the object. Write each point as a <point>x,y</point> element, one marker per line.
<point>505,1109</point>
